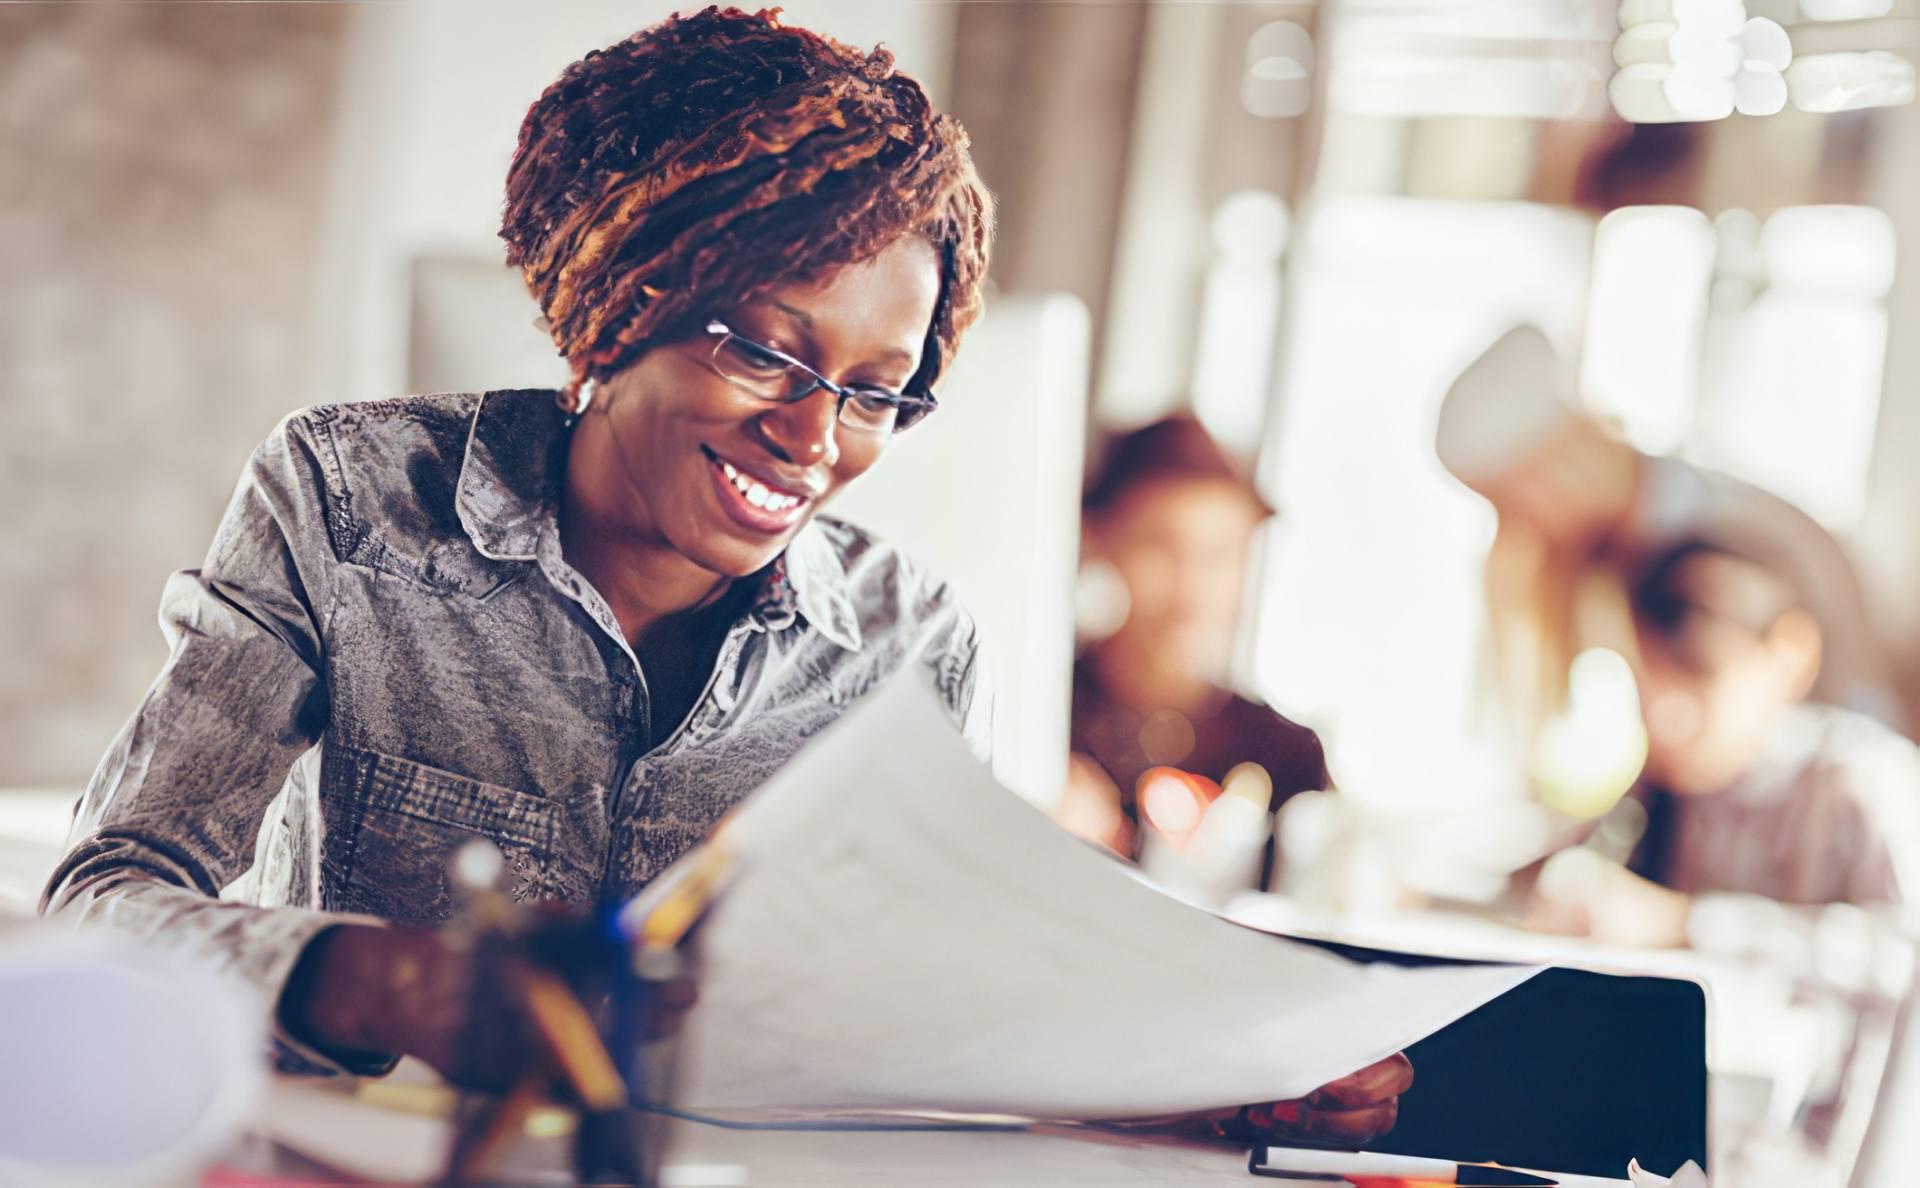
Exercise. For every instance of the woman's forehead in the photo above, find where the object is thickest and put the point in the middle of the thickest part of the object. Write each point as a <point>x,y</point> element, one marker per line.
<point>907,264</point>
<point>890,295</point>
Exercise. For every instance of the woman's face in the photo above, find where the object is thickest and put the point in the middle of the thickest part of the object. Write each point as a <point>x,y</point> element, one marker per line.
<point>665,461</point>
<point>1180,545</point>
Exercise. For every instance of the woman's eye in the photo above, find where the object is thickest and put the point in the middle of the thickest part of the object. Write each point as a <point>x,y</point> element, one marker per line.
<point>870,407</point>
<point>754,357</point>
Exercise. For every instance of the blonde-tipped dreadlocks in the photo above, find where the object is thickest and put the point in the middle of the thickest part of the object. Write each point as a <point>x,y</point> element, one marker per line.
<point>712,157</point>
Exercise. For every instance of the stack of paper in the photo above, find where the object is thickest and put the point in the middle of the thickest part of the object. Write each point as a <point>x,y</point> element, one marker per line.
<point>904,933</point>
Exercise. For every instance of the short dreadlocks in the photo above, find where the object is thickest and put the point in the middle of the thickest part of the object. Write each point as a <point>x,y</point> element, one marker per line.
<point>712,157</point>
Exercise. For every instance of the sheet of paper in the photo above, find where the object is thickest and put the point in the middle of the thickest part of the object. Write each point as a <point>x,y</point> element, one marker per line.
<point>902,932</point>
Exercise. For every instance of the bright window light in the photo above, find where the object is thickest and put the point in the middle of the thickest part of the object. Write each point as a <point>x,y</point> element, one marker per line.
<point>1794,395</point>
<point>1652,268</point>
<point>1239,317</point>
<point>1370,601</point>
<point>1850,81</point>
<point>1404,84</point>
<point>1278,82</point>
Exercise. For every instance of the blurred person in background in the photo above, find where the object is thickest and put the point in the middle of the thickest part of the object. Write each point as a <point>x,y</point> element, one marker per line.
<point>1750,790</point>
<point>582,624</point>
<point>1168,521</point>
<point>1573,496</point>
<point>1592,536</point>
<point>1578,508</point>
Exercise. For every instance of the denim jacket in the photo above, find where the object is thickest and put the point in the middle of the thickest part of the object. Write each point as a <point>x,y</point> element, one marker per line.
<point>386,654</point>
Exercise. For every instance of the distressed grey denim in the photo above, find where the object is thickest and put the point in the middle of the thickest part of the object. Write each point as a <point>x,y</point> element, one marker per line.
<point>385,654</point>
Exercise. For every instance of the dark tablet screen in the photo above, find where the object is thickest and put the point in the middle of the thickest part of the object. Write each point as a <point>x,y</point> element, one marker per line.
<point>1572,1071</point>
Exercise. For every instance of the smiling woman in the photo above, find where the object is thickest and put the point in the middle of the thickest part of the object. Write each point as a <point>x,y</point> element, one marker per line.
<point>580,624</point>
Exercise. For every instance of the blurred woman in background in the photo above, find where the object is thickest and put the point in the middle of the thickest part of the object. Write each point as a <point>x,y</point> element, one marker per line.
<point>1168,523</point>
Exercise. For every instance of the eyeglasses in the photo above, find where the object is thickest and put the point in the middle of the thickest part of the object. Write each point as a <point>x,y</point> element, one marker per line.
<point>779,378</point>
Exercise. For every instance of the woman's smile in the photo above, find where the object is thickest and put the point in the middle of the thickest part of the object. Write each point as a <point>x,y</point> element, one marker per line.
<point>756,502</point>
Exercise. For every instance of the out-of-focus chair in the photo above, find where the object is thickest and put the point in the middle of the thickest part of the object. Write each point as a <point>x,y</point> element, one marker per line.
<point>987,495</point>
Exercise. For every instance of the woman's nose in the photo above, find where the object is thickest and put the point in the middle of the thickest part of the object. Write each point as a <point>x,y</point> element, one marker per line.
<point>804,432</point>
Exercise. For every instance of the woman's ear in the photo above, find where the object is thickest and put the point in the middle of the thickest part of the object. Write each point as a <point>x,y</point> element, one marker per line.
<point>1794,640</point>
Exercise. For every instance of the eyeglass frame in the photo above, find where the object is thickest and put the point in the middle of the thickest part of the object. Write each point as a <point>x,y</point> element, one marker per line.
<point>901,401</point>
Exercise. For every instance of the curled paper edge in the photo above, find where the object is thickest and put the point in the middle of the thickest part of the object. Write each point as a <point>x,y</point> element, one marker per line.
<point>1689,1176</point>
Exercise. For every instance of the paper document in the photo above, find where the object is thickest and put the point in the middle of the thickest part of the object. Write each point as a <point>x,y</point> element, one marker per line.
<point>902,932</point>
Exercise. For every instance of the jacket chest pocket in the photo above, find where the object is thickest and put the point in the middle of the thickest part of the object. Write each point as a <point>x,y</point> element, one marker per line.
<point>394,826</point>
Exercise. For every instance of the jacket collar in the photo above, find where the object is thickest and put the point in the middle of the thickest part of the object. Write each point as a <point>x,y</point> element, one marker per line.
<point>809,579</point>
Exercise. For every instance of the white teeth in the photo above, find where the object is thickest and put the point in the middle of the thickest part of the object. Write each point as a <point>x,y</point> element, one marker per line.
<point>757,493</point>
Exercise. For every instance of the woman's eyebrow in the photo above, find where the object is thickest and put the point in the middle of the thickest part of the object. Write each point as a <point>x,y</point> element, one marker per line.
<point>797,314</point>
<point>805,321</point>
<point>894,355</point>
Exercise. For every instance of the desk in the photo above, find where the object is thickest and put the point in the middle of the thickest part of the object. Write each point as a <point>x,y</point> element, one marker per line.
<point>1049,1157</point>
<point>1037,1157</point>
<point>703,1156</point>
<point>1754,1009</point>
<point>319,1127</point>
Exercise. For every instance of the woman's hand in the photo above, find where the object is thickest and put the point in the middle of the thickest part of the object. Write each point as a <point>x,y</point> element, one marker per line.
<point>1349,1112</point>
<point>1090,809</point>
<point>406,991</point>
<point>363,990</point>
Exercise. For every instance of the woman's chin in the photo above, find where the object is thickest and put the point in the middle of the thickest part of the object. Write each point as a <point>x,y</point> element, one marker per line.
<point>736,558</point>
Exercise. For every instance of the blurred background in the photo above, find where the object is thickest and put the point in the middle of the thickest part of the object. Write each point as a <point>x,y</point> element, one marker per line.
<point>1299,219</point>
<point>1297,222</point>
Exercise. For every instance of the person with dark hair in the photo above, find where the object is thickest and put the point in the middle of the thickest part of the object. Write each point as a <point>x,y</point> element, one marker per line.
<point>580,624</point>
<point>1572,495</point>
<point>1749,789</point>
<point>1172,517</point>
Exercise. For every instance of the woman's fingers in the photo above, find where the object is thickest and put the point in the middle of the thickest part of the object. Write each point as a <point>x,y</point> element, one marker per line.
<point>1351,1112</point>
<point>1293,1121</point>
<point>1354,1127</point>
<point>1375,1085</point>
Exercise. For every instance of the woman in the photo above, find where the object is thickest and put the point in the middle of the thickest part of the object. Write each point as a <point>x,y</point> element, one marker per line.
<point>1173,518</point>
<point>582,628</point>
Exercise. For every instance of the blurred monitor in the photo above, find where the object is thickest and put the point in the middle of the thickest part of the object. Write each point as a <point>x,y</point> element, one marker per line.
<point>986,494</point>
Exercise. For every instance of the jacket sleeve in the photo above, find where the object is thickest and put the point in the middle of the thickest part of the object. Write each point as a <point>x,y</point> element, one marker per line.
<point>173,812</point>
